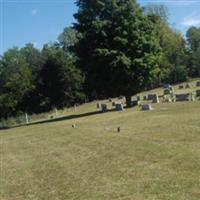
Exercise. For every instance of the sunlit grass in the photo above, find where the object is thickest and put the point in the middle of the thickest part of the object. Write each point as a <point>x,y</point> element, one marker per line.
<point>156,156</point>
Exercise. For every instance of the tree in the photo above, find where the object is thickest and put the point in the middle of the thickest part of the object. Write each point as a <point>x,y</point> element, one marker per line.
<point>117,48</point>
<point>68,38</point>
<point>193,38</point>
<point>174,56</point>
<point>15,78</point>
<point>61,82</point>
<point>33,57</point>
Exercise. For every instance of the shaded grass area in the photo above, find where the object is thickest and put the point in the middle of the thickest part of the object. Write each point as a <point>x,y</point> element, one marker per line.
<point>155,156</point>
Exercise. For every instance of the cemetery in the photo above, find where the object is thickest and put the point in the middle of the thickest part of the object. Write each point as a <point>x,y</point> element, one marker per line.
<point>148,132</point>
<point>100,100</point>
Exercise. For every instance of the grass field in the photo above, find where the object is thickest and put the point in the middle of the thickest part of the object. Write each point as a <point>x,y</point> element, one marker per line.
<point>156,156</point>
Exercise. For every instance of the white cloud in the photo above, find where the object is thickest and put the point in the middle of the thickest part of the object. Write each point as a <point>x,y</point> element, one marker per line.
<point>191,20</point>
<point>34,12</point>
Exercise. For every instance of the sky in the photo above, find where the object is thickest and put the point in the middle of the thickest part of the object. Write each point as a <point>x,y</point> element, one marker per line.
<point>41,21</point>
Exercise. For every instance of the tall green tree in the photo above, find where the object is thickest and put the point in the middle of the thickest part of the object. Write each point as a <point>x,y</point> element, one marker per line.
<point>33,57</point>
<point>193,38</point>
<point>67,39</point>
<point>117,48</point>
<point>15,78</point>
<point>61,82</point>
<point>174,55</point>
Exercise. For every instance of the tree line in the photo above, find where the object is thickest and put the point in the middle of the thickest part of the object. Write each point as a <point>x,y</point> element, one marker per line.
<point>114,48</point>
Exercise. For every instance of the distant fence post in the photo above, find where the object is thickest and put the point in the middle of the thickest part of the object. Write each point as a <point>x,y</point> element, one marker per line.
<point>26,116</point>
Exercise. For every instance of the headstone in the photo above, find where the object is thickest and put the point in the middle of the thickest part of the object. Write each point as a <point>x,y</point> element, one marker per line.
<point>104,107</point>
<point>184,97</point>
<point>138,98</point>
<point>198,93</point>
<point>144,98</point>
<point>146,107</point>
<point>135,103</point>
<point>113,103</point>
<point>119,106</point>
<point>198,84</point>
<point>151,96</point>
<point>156,99</point>
<point>98,105</point>
<point>180,87</point>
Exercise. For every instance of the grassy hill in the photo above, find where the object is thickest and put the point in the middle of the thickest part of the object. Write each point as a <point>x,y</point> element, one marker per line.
<point>156,156</point>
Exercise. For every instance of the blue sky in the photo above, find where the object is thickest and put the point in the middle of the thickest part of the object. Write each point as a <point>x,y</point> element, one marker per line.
<point>41,21</point>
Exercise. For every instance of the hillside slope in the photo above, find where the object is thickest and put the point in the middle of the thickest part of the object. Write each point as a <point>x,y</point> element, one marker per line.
<point>155,156</point>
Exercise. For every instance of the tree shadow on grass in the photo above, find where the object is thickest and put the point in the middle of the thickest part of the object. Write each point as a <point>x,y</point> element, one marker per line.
<point>69,117</point>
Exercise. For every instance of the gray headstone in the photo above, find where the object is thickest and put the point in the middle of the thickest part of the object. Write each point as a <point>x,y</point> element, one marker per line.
<point>184,97</point>
<point>113,103</point>
<point>144,98</point>
<point>138,98</point>
<point>119,106</point>
<point>151,96</point>
<point>156,99</point>
<point>197,93</point>
<point>104,107</point>
<point>146,107</point>
<point>135,103</point>
<point>198,84</point>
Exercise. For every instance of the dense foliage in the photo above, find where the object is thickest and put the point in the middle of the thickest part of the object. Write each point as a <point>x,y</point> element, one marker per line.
<point>118,49</point>
<point>114,48</point>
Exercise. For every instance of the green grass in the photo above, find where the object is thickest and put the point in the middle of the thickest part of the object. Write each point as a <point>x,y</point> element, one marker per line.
<point>156,156</point>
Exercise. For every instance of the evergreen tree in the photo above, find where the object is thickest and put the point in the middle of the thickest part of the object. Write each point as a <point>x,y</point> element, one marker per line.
<point>117,48</point>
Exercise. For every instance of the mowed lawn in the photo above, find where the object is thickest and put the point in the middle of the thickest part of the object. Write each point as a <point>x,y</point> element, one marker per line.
<point>156,156</point>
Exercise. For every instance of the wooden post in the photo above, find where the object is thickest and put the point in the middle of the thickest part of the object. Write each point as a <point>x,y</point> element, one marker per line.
<point>118,129</point>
